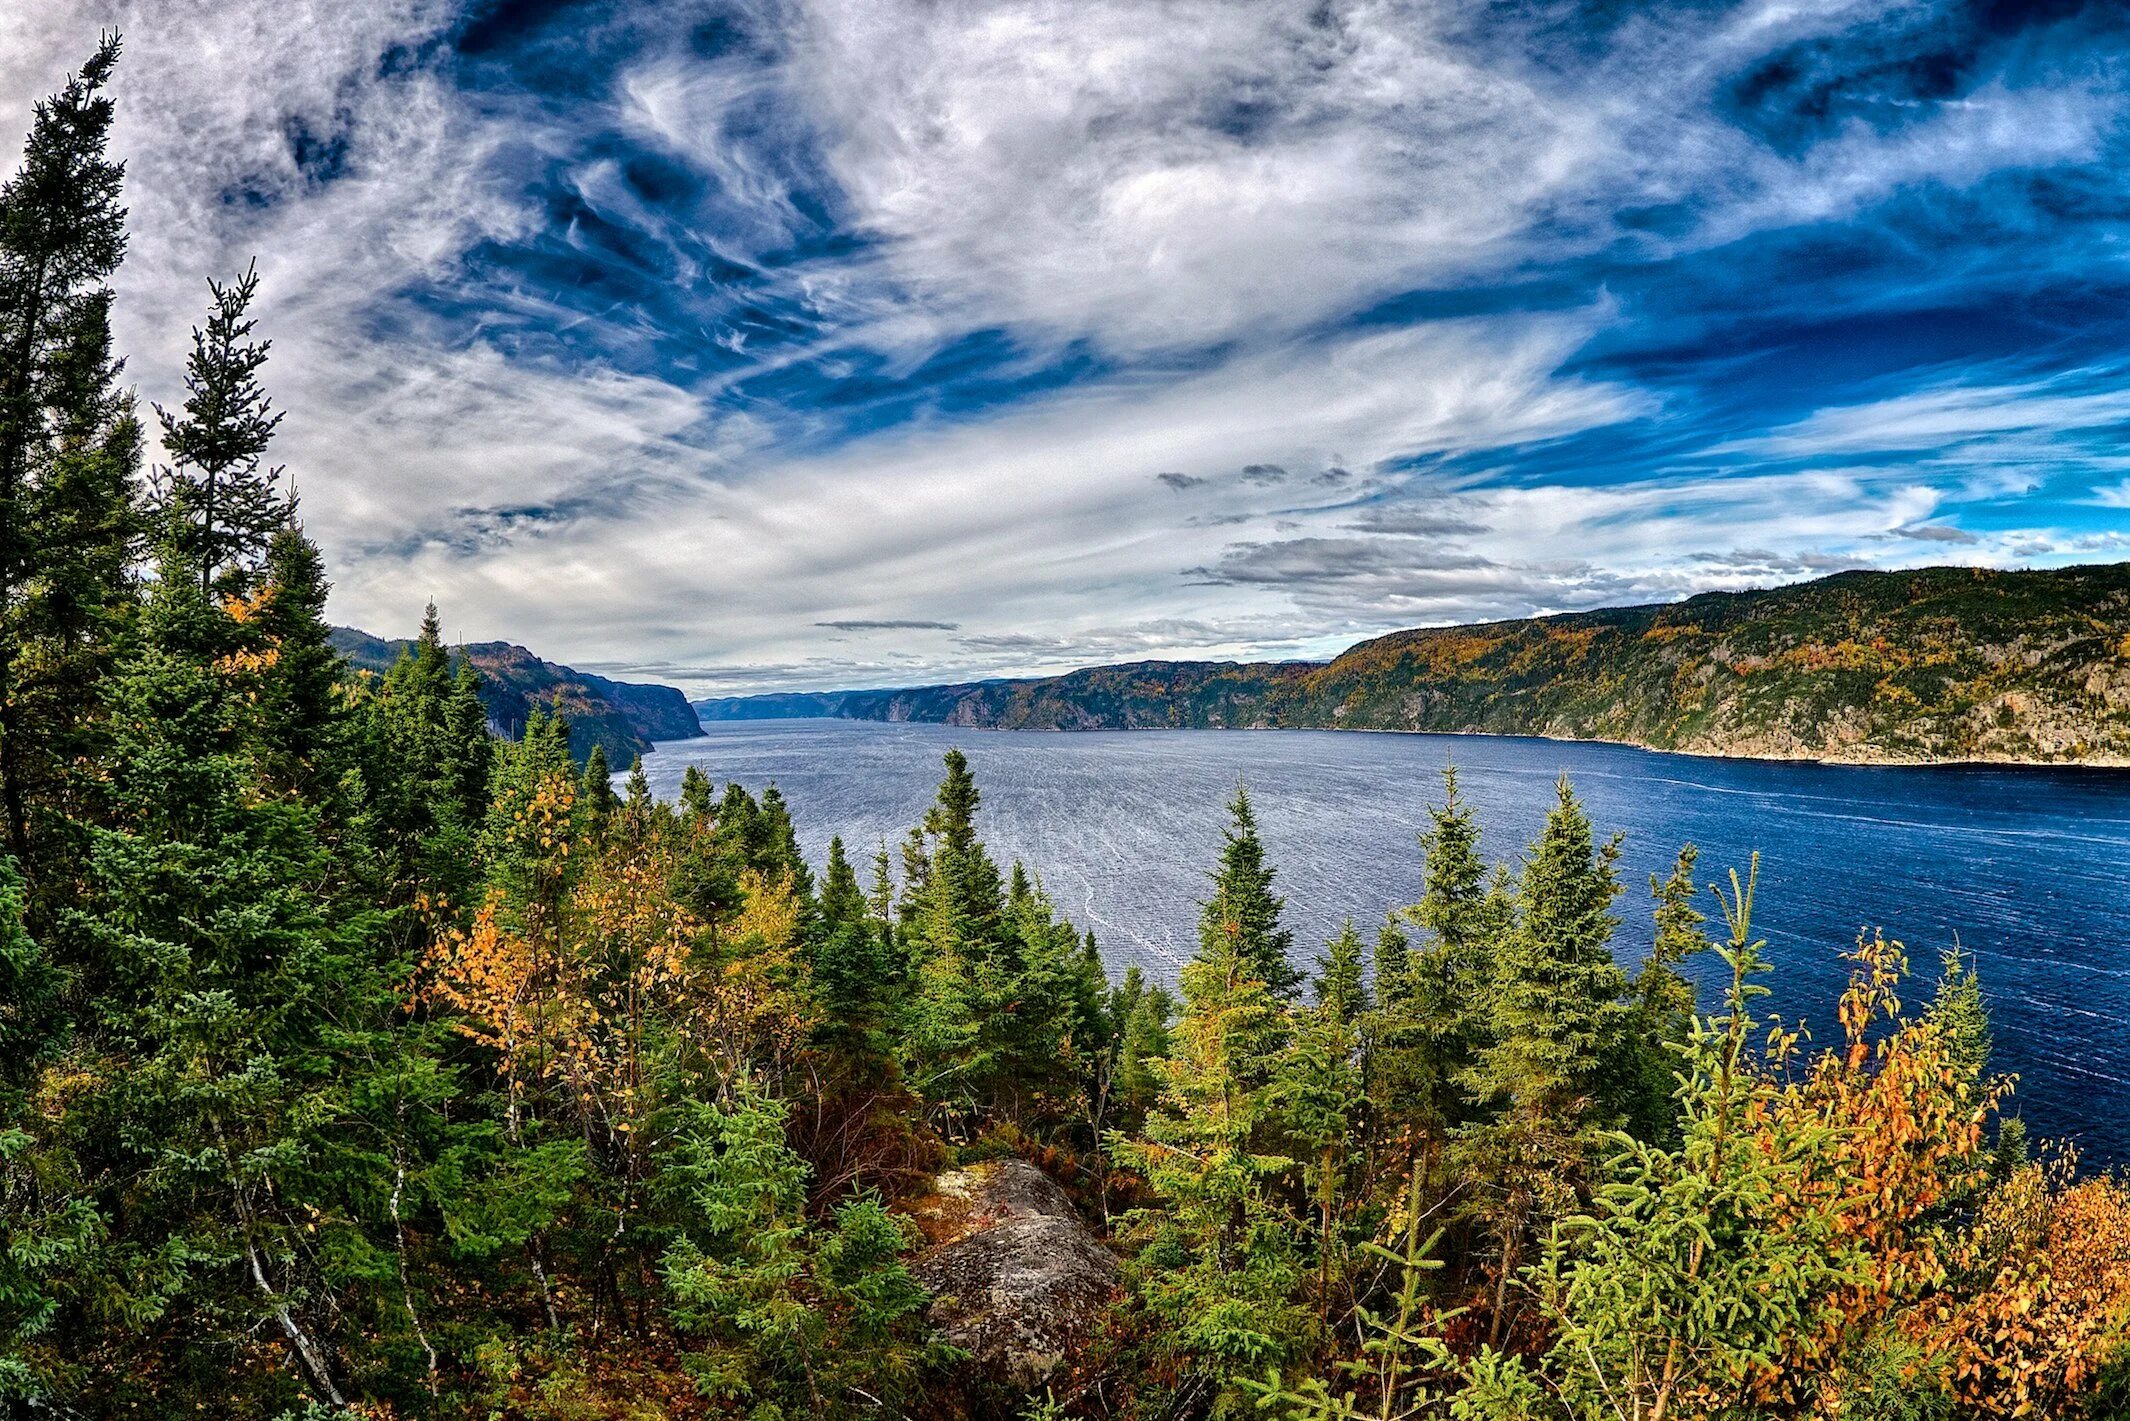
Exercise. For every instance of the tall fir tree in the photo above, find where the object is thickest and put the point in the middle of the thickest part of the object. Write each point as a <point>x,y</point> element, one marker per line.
<point>1560,1026</point>
<point>1319,1091</point>
<point>222,494</point>
<point>1243,910</point>
<point>1431,1017</point>
<point>1664,1002</point>
<point>69,453</point>
<point>1220,1269</point>
<point>304,703</point>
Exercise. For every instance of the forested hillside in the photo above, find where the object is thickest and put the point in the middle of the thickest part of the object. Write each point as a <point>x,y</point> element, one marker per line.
<point>621,718</point>
<point>1937,664</point>
<point>357,1063</point>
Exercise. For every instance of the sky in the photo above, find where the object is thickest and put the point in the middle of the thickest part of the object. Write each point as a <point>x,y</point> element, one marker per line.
<point>774,344</point>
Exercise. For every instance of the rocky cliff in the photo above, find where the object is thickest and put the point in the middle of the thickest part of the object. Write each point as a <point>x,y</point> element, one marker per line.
<point>621,717</point>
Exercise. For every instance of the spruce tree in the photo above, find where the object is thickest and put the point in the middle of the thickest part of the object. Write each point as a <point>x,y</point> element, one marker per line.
<point>1319,1093</point>
<point>598,793</point>
<point>1557,1004</point>
<point>1560,1024</point>
<point>222,495</point>
<point>1452,905</point>
<point>1432,1016</point>
<point>856,975</point>
<point>1219,1269</point>
<point>1664,1003</point>
<point>303,708</point>
<point>230,988</point>
<point>1243,912</point>
<point>69,449</point>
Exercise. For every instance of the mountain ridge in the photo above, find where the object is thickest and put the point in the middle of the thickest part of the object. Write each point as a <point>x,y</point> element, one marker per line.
<point>1926,666</point>
<point>621,717</point>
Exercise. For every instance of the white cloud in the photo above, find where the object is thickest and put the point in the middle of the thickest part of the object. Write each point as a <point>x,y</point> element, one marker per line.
<point>1947,415</point>
<point>1199,191</point>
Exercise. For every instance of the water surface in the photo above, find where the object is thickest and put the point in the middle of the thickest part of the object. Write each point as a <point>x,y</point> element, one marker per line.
<point>2024,867</point>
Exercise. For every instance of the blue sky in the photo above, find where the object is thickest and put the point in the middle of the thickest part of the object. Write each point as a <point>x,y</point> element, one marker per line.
<point>776,343</point>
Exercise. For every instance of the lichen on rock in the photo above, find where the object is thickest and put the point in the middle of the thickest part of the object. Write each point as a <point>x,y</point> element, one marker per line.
<point>1018,1279</point>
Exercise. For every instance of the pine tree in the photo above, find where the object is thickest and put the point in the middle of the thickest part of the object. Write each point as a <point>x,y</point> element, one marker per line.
<point>1243,910</point>
<point>69,450</point>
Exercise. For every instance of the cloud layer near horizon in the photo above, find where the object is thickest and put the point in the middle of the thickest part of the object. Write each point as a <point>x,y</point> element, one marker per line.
<point>770,343</point>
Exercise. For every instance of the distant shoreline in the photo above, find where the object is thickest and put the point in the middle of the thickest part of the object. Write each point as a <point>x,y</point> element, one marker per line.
<point>2109,764</point>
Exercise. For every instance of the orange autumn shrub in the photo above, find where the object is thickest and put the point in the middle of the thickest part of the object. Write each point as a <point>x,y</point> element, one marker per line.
<point>2049,1258</point>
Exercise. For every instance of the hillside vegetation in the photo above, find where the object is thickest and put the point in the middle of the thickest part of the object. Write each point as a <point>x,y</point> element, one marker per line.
<point>1936,664</point>
<point>622,718</point>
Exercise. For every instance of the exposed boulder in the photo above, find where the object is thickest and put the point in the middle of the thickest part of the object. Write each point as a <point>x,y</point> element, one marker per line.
<point>1018,1280</point>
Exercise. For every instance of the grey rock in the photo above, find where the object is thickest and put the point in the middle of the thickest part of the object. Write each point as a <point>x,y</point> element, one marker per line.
<point>1018,1280</point>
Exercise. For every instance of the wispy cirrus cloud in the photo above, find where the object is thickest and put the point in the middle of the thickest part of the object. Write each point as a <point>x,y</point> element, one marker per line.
<point>798,341</point>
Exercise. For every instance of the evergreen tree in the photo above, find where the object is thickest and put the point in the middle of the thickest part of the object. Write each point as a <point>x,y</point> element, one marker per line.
<point>1319,1093</point>
<point>1243,910</point>
<point>697,798</point>
<point>69,451</point>
<point>1219,1270</point>
<point>598,792</point>
<point>1139,1014</point>
<point>1559,1026</point>
<point>953,916</point>
<point>228,985</point>
<point>779,840</point>
<point>1664,1002</point>
<point>1557,1003</point>
<point>1432,1016</point>
<point>1957,1010</point>
<point>842,900</point>
<point>855,972</point>
<point>306,742</point>
<point>824,1319</point>
<point>1453,905</point>
<point>429,757</point>
<point>220,494</point>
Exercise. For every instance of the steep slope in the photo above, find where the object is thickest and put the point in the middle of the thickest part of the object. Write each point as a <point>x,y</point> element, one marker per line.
<point>622,717</point>
<point>1906,667</point>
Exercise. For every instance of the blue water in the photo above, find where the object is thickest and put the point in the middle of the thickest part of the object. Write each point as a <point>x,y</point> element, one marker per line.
<point>2025,867</point>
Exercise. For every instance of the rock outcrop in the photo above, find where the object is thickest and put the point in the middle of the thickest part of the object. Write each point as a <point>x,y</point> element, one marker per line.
<point>1018,1280</point>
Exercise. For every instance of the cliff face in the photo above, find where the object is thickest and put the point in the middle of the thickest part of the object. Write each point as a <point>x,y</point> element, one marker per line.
<point>621,717</point>
<point>1909,667</point>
